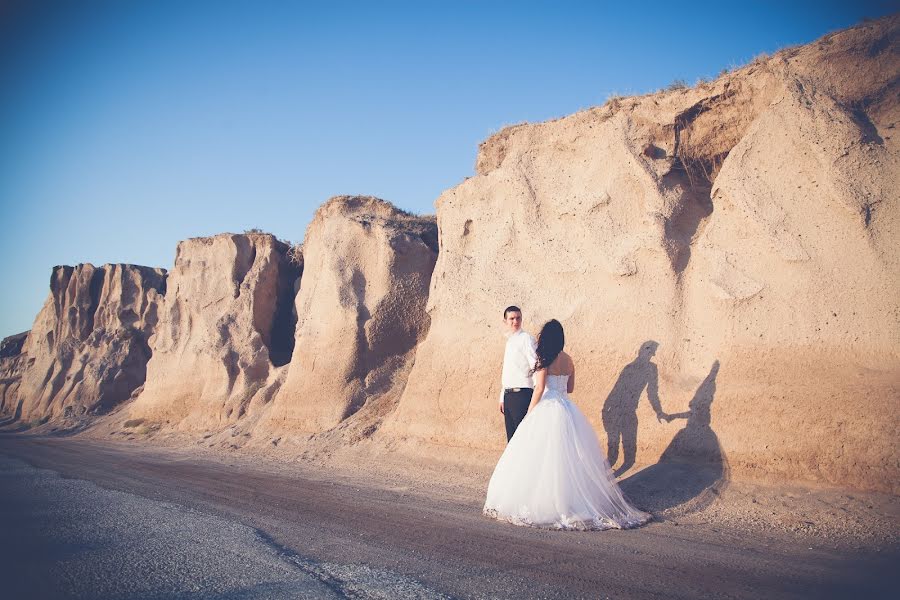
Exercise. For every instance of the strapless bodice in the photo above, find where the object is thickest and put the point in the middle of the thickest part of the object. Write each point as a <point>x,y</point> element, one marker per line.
<point>557,384</point>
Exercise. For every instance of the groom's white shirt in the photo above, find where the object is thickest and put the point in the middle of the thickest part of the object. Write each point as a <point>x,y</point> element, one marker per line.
<point>518,360</point>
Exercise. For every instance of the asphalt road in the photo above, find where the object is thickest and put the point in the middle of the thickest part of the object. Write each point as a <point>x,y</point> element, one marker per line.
<point>299,536</point>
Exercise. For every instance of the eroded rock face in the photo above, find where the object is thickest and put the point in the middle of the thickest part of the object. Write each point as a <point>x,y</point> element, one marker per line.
<point>225,330</point>
<point>87,351</point>
<point>12,364</point>
<point>734,243</point>
<point>12,346</point>
<point>361,311</point>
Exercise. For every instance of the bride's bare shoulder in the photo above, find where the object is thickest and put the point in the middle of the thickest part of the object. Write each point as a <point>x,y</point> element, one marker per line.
<point>567,361</point>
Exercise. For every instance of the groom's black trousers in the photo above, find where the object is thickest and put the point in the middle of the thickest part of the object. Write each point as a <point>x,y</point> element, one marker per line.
<point>515,406</point>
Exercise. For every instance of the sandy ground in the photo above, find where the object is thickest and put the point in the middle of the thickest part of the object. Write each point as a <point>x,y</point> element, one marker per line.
<point>424,527</point>
<point>676,493</point>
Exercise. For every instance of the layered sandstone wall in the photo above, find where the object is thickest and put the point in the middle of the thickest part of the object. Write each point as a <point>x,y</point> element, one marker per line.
<point>734,243</point>
<point>87,350</point>
<point>361,313</point>
<point>225,332</point>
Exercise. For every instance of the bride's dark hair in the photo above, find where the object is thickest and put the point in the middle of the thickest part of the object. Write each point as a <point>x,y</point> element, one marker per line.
<point>550,343</point>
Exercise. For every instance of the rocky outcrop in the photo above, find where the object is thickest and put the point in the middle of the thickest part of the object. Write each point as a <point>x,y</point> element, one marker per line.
<point>87,350</point>
<point>734,243</point>
<point>225,331</point>
<point>11,346</point>
<point>361,313</point>
<point>12,364</point>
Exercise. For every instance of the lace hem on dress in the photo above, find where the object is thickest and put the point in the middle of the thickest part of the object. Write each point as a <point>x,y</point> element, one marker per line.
<point>569,524</point>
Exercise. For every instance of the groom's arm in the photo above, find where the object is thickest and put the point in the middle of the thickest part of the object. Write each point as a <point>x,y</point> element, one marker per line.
<point>501,384</point>
<point>529,347</point>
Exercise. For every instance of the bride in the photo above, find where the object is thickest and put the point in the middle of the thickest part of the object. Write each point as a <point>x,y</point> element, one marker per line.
<point>553,473</point>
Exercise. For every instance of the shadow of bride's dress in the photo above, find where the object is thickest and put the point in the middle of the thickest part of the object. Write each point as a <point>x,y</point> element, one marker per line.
<point>692,471</point>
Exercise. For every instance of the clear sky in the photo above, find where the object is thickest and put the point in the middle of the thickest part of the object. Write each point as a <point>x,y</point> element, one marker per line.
<point>126,126</point>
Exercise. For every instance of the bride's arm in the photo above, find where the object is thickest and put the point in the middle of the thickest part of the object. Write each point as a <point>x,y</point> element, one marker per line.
<point>570,386</point>
<point>540,380</point>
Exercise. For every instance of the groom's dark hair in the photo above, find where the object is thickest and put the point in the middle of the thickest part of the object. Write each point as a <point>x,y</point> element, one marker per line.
<point>510,309</point>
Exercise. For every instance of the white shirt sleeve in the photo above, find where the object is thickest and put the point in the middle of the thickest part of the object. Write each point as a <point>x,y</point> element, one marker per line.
<point>502,393</point>
<point>530,346</point>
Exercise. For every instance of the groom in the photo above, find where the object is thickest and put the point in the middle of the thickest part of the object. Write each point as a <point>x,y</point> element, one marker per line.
<point>518,360</point>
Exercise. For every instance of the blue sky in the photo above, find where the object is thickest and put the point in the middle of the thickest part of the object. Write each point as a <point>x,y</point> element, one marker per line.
<point>128,126</point>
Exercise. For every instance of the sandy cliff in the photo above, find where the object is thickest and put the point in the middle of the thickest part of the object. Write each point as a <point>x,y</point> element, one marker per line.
<point>361,313</point>
<point>733,244</point>
<point>87,350</point>
<point>225,329</point>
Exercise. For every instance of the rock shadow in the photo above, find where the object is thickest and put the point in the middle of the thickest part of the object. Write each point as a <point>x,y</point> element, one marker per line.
<point>284,322</point>
<point>692,470</point>
<point>11,423</point>
<point>620,408</point>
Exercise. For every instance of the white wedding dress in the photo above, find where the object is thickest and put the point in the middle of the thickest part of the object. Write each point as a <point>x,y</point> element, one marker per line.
<point>553,473</point>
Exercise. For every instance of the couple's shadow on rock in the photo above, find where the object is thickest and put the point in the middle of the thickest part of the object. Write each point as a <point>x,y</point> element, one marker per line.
<point>692,471</point>
<point>620,409</point>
